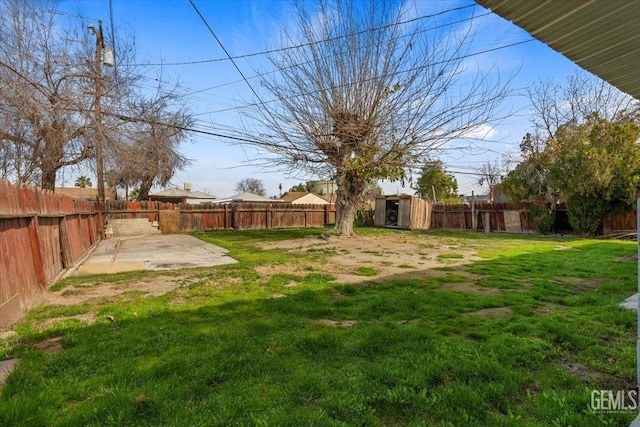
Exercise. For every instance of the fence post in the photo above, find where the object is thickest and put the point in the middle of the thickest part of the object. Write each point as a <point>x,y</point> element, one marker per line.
<point>474,218</point>
<point>234,217</point>
<point>486,219</point>
<point>268,216</point>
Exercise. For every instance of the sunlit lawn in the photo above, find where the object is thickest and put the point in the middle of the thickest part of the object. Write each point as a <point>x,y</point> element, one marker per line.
<point>221,350</point>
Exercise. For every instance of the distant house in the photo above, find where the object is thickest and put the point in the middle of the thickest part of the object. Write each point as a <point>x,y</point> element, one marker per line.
<point>85,193</point>
<point>247,198</point>
<point>178,195</point>
<point>303,198</point>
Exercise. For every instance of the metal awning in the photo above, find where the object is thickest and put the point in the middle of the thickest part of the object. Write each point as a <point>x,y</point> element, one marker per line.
<point>601,36</point>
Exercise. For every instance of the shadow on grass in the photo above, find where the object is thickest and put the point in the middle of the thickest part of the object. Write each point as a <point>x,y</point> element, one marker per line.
<point>413,353</point>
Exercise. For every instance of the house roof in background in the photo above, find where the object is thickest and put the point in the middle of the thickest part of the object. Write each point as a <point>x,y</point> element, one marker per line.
<point>179,192</point>
<point>293,196</point>
<point>602,37</point>
<point>250,197</point>
<point>77,192</point>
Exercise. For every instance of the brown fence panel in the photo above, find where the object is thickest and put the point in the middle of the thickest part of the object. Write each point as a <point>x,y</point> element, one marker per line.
<point>41,233</point>
<point>620,222</point>
<point>250,216</point>
<point>204,217</point>
<point>289,218</point>
<point>18,277</point>
<point>49,236</point>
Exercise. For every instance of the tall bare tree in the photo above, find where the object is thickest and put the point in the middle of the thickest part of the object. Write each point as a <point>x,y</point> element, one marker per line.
<point>49,98</point>
<point>43,93</point>
<point>368,91</point>
<point>144,150</point>
<point>491,174</point>
<point>251,185</point>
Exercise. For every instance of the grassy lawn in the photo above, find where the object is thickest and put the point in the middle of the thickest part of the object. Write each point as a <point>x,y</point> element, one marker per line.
<point>539,329</point>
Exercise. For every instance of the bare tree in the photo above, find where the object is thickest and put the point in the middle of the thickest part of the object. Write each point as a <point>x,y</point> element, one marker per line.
<point>555,104</point>
<point>367,92</point>
<point>144,150</point>
<point>490,173</point>
<point>251,185</point>
<point>43,93</point>
<point>49,98</point>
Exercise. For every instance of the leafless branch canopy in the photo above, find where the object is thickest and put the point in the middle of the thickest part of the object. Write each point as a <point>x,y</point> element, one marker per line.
<point>49,98</point>
<point>368,91</point>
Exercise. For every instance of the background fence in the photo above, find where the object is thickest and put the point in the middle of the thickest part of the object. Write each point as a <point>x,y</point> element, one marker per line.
<point>506,217</point>
<point>185,218</point>
<point>41,234</point>
<point>515,218</point>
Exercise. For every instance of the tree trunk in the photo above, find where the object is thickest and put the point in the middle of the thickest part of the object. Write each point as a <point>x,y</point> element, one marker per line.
<point>48,180</point>
<point>145,188</point>
<point>350,194</point>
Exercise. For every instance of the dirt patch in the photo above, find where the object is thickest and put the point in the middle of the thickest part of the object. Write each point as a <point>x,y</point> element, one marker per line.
<point>178,301</point>
<point>496,313</point>
<point>339,323</point>
<point>88,318</point>
<point>52,345</point>
<point>408,322</point>
<point>468,288</point>
<point>277,296</point>
<point>82,293</point>
<point>576,284</point>
<point>628,258</point>
<point>585,374</point>
<point>548,308</point>
<point>389,256</point>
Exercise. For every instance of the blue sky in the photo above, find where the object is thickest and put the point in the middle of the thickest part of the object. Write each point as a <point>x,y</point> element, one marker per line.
<point>171,32</point>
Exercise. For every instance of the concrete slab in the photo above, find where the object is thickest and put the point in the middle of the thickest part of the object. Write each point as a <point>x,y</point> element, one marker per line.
<point>160,252</point>
<point>630,303</point>
<point>6,367</point>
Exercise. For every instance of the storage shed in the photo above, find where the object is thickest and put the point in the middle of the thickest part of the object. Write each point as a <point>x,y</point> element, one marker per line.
<point>403,211</point>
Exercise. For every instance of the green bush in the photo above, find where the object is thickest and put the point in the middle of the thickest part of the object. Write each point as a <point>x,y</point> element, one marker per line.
<point>364,218</point>
<point>586,213</point>
<point>542,216</point>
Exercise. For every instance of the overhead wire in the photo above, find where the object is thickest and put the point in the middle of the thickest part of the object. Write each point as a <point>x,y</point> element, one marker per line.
<point>307,44</point>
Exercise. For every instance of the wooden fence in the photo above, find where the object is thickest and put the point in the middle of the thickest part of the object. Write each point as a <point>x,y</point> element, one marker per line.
<point>515,218</point>
<point>41,234</point>
<point>186,218</point>
<point>505,217</point>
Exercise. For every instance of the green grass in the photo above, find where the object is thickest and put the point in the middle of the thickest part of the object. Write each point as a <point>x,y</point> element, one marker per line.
<point>413,352</point>
<point>366,271</point>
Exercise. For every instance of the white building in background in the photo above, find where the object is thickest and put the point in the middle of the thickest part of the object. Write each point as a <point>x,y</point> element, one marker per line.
<point>322,187</point>
<point>303,198</point>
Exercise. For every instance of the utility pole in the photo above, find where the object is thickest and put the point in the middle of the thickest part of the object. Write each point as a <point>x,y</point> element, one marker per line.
<point>97,106</point>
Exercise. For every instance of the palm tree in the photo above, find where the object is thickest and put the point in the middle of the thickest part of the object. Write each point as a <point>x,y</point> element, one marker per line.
<point>83,182</point>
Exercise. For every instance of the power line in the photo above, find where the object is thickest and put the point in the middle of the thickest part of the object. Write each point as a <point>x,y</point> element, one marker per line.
<point>228,55</point>
<point>267,52</point>
<point>254,104</point>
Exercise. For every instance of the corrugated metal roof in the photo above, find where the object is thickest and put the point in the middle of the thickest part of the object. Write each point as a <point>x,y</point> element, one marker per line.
<point>601,36</point>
